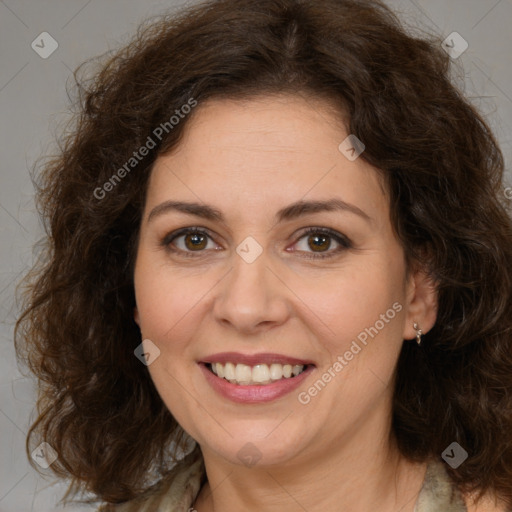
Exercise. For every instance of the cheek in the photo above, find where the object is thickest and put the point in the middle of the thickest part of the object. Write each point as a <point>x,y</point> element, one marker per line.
<point>168,304</point>
<point>348,301</point>
<point>364,311</point>
<point>166,297</point>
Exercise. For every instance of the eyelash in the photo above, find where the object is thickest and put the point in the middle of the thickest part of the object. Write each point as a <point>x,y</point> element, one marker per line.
<point>343,241</point>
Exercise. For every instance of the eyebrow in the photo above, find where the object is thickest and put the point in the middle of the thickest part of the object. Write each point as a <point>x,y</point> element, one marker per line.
<point>290,212</point>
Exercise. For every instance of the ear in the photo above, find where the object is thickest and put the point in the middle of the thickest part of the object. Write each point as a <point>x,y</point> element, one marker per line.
<point>421,304</point>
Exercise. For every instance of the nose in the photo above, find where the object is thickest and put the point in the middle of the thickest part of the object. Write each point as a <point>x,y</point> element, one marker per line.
<point>252,298</point>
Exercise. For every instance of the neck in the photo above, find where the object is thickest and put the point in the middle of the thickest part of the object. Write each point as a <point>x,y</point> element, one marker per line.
<point>361,476</point>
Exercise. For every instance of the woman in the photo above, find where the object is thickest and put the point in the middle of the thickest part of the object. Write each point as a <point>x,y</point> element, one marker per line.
<point>278,231</point>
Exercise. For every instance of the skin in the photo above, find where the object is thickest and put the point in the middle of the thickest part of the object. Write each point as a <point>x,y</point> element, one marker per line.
<point>249,159</point>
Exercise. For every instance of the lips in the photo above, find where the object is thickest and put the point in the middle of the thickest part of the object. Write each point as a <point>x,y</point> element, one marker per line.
<point>254,378</point>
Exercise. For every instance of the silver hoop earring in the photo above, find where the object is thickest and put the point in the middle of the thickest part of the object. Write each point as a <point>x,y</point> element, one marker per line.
<point>419,333</point>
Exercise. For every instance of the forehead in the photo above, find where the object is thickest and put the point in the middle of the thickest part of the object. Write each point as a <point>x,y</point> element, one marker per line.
<point>268,150</point>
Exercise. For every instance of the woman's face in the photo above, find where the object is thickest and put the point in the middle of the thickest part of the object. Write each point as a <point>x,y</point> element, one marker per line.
<point>258,294</point>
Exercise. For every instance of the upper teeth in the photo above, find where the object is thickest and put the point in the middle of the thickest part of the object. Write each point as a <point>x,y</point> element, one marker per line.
<point>258,374</point>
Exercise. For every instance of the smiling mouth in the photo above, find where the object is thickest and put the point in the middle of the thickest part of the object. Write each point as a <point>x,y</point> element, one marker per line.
<point>259,374</point>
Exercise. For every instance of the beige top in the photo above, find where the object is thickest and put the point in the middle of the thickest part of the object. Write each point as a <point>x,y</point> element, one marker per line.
<point>178,491</point>
<point>438,493</point>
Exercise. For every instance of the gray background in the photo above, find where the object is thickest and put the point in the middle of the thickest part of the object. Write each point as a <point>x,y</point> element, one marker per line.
<point>33,101</point>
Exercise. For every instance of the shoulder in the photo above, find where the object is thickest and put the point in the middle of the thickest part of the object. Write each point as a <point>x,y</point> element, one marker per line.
<point>174,492</point>
<point>439,492</point>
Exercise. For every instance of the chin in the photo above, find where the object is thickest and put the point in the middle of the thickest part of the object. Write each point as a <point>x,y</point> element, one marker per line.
<point>256,448</point>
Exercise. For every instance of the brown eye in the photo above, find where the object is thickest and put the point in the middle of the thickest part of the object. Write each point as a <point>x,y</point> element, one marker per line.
<point>194,241</point>
<point>319,241</point>
<point>188,241</point>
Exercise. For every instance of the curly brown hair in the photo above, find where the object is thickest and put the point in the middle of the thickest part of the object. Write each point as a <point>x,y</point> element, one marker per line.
<point>444,171</point>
